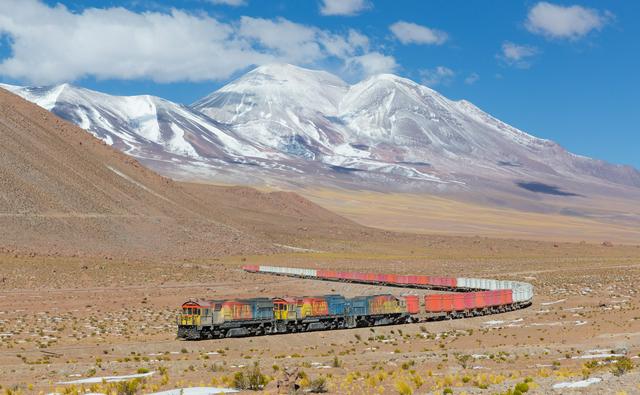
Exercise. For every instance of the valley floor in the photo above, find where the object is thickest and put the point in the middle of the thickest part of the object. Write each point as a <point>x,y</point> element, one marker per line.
<point>66,319</point>
<point>611,220</point>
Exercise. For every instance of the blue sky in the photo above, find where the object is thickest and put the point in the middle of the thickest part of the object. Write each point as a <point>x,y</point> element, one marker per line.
<point>567,71</point>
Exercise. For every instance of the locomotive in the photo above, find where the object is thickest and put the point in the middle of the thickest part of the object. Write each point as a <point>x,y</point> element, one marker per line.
<point>214,319</point>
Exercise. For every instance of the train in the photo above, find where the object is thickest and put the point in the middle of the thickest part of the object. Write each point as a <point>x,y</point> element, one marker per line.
<point>216,319</point>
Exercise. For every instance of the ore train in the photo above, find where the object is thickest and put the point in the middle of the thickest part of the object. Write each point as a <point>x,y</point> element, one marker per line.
<point>215,319</point>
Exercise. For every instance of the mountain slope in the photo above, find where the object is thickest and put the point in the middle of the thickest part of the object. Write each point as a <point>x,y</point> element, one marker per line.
<point>285,126</point>
<point>64,191</point>
<point>140,125</point>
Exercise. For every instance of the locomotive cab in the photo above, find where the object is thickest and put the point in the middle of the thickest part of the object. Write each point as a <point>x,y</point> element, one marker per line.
<point>284,309</point>
<point>195,313</point>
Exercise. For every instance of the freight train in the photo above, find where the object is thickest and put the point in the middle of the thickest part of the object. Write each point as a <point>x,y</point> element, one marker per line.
<point>214,319</point>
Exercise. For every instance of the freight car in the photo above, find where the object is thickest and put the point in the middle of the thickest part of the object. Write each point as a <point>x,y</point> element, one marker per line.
<point>208,319</point>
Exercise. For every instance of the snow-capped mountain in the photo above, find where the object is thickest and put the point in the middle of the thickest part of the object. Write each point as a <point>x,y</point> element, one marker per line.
<point>142,126</point>
<point>285,124</point>
<point>388,127</point>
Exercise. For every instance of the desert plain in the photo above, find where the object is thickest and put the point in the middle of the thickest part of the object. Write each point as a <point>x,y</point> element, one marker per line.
<point>71,318</point>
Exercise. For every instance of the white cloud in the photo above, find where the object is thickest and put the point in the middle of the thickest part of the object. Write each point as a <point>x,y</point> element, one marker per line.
<point>572,22</point>
<point>472,79</point>
<point>232,3</point>
<point>343,7</point>
<point>439,76</point>
<point>371,63</point>
<point>52,44</point>
<point>517,55</point>
<point>411,33</point>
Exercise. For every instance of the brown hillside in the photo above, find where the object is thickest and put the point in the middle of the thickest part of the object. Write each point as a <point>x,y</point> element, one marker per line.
<point>63,191</point>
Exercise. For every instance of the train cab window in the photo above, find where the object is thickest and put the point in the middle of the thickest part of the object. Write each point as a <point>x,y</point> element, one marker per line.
<point>218,307</point>
<point>196,311</point>
<point>206,311</point>
<point>189,310</point>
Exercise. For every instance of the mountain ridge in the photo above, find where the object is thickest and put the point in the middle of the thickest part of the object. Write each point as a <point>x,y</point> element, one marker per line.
<point>289,127</point>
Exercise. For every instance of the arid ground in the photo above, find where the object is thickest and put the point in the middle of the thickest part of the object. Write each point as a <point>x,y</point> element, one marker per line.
<point>64,319</point>
<point>97,253</point>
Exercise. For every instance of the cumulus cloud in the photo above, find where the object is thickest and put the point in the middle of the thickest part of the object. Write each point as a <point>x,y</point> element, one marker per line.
<point>232,3</point>
<point>517,55</point>
<point>371,63</point>
<point>438,76</point>
<point>53,44</point>
<point>572,22</point>
<point>411,33</point>
<point>343,7</point>
<point>472,79</point>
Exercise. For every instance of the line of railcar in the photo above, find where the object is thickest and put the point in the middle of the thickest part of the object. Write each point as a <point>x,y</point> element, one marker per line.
<point>209,319</point>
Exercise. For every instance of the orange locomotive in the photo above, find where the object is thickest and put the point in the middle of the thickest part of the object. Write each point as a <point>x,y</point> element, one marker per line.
<point>208,319</point>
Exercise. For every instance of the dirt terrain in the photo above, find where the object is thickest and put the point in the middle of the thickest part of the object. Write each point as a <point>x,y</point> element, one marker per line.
<point>63,191</point>
<point>63,319</point>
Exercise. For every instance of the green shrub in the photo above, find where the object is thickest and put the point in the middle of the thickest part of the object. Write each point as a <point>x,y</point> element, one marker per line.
<point>621,366</point>
<point>250,379</point>
<point>522,387</point>
<point>127,387</point>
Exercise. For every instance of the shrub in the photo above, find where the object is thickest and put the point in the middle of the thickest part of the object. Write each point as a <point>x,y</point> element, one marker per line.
<point>127,387</point>
<point>403,388</point>
<point>250,379</point>
<point>318,385</point>
<point>621,366</point>
<point>522,388</point>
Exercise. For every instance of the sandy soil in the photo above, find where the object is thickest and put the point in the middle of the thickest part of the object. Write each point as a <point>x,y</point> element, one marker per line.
<point>63,319</point>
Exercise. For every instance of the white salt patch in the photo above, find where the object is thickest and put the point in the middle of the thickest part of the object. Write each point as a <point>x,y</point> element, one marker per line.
<point>108,379</point>
<point>550,303</point>
<point>577,384</point>
<point>197,391</point>
<point>594,356</point>
<point>546,324</point>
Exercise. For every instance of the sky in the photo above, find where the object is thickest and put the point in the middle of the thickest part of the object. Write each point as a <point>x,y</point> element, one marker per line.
<point>563,70</point>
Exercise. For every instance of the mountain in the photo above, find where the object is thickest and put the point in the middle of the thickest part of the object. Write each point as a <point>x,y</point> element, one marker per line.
<point>66,192</point>
<point>392,129</point>
<point>297,128</point>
